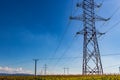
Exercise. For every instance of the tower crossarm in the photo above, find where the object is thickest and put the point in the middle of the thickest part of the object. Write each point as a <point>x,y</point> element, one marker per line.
<point>97,18</point>
<point>76,18</point>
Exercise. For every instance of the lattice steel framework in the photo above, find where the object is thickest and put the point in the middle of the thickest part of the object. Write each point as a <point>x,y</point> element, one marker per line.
<point>91,55</point>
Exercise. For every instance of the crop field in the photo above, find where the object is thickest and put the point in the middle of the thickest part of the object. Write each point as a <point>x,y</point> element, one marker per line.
<point>63,77</point>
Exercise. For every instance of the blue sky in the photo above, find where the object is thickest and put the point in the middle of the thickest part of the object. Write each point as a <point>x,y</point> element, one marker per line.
<point>32,29</point>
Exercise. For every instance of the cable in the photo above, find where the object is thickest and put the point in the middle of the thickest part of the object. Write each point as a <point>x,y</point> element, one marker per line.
<point>101,3</point>
<point>60,42</point>
<point>76,57</point>
<point>74,10</point>
<point>55,52</point>
<point>76,39</point>
<point>115,25</point>
<point>71,59</point>
<point>111,17</point>
<point>68,47</point>
<point>21,62</point>
<point>72,7</point>
<point>64,53</point>
<point>64,31</point>
<point>111,66</point>
<point>111,54</point>
<point>63,35</point>
<point>61,39</point>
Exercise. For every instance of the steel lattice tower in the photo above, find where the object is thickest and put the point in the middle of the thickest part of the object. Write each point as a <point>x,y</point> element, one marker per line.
<point>91,55</point>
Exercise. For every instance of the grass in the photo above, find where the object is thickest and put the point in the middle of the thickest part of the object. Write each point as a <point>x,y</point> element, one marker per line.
<point>63,77</point>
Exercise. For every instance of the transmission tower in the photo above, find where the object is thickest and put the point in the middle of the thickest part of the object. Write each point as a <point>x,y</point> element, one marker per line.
<point>91,54</point>
<point>119,69</point>
<point>35,65</point>
<point>45,69</point>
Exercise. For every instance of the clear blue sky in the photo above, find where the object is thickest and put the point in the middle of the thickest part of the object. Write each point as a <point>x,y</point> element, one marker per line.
<point>33,28</point>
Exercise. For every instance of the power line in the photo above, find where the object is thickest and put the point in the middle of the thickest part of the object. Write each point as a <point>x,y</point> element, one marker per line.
<point>21,62</point>
<point>111,54</point>
<point>82,57</point>
<point>111,16</point>
<point>91,53</point>
<point>69,53</point>
<point>101,3</point>
<point>76,57</point>
<point>111,66</point>
<point>61,39</point>
<point>115,25</point>
<point>115,54</point>
<point>64,52</point>
<point>74,9</point>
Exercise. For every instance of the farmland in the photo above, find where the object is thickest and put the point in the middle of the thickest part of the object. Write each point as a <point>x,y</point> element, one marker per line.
<point>63,77</point>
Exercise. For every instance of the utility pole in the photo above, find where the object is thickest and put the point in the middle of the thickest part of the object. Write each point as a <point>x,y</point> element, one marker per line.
<point>64,70</point>
<point>91,54</point>
<point>67,70</point>
<point>119,69</point>
<point>45,69</point>
<point>35,65</point>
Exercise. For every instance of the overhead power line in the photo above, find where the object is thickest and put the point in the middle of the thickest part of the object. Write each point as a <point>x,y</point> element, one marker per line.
<point>113,14</point>
<point>61,39</point>
<point>115,25</point>
<point>111,66</point>
<point>63,35</point>
<point>64,52</point>
<point>40,59</point>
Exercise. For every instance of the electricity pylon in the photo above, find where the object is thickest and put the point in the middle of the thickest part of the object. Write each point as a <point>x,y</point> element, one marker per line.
<point>35,65</point>
<point>91,54</point>
<point>45,71</point>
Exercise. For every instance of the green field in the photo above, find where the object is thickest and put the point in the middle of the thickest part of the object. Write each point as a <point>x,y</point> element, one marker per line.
<point>62,77</point>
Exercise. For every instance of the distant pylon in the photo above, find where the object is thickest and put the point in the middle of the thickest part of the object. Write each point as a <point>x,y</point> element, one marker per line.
<point>45,69</point>
<point>35,65</point>
<point>91,55</point>
<point>119,69</point>
<point>66,71</point>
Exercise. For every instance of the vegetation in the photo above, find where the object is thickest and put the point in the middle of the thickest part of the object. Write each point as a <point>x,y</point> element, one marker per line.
<point>63,77</point>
